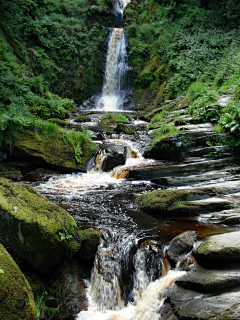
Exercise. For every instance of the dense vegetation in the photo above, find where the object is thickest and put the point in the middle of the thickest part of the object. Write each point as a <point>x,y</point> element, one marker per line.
<point>51,52</point>
<point>187,47</point>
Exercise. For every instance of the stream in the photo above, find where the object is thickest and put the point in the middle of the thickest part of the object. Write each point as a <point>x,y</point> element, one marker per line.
<point>131,275</point>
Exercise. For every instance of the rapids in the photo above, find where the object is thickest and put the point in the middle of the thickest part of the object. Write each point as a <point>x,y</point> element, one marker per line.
<point>131,276</point>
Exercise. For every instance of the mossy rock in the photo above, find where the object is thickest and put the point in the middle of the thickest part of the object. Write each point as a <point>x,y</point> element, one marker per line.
<point>179,202</point>
<point>221,247</point>
<point>121,127</point>
<point>82,118</point>
<point>39,231</point>
<point>90,244</point>
<point>16,297</point>
<point>14,175</point>
<point>50,153</point>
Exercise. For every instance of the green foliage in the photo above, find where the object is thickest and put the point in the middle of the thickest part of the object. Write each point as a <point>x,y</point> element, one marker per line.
<point>164,132</point>
<point>82,118</point>
<point>113,119</point>
<point>158,119</point>
<point>59,40</point>
<point>40,294</point>
<point>177,43</point>
<point>80,141</point>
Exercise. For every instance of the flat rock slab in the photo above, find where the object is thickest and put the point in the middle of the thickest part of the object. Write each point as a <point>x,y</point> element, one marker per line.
<point>188,304</point>
<point>150,172</point>
<point>229,217</point>
<point>211,280</point>
<point>222,247</point>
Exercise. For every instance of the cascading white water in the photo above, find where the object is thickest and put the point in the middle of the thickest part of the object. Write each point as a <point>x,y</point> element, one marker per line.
<point>104,295</point>
<point>113,93</point>
<point>115,79</point>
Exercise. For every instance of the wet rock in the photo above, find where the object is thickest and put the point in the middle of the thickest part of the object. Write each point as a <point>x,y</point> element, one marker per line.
<point>229,217</point>
<point>189,304</point>
<point>70,288</point>
<point>89,244</point>
<point>222,247</point>
<point>192,179</point>
<point>211,280</point>
<point>154,171</point>
<point>112,160</point>
<point>41,232</point>
<point>180,246</point>
<point>16,297</point>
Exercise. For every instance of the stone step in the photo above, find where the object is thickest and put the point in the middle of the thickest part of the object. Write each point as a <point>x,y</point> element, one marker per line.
<point>201,151</point>
<point>185,169</point>
<point>210,280</point>
<point>215,176</point>
<point>203,127</point>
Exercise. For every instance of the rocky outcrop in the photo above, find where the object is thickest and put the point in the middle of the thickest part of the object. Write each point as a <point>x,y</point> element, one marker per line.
<point>211,290</point>
<point>41,232</point>
<point>69,287</point>
<point>180,246</point>
<point>50,153</point>
<point>222,247</point>
<point>16,297</point>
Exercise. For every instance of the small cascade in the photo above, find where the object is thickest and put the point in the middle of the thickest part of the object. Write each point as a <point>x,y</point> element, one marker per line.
<point>150,284</point>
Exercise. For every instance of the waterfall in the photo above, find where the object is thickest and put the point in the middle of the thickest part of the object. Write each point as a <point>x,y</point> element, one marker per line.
<point>116,72</point>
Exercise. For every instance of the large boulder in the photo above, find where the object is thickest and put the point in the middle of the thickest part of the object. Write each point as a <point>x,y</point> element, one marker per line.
<point>221,247</point>
<point>50,153</point>
<point>180,246</point>
<point>39,231</point>
<point>16,297</point>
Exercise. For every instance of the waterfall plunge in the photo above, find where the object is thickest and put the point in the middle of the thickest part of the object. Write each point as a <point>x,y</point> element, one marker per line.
<point>115,81</point>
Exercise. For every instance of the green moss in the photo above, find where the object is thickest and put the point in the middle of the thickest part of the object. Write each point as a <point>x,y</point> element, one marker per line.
<point>160,200</point>
<point>31,225</point>
<point>178,202</point>
<point>61,123</point>
<point>16,297</point>
<point>114,119</point>
<point>55,153</point>
<point>82,118</point>
<point>121,127</point>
